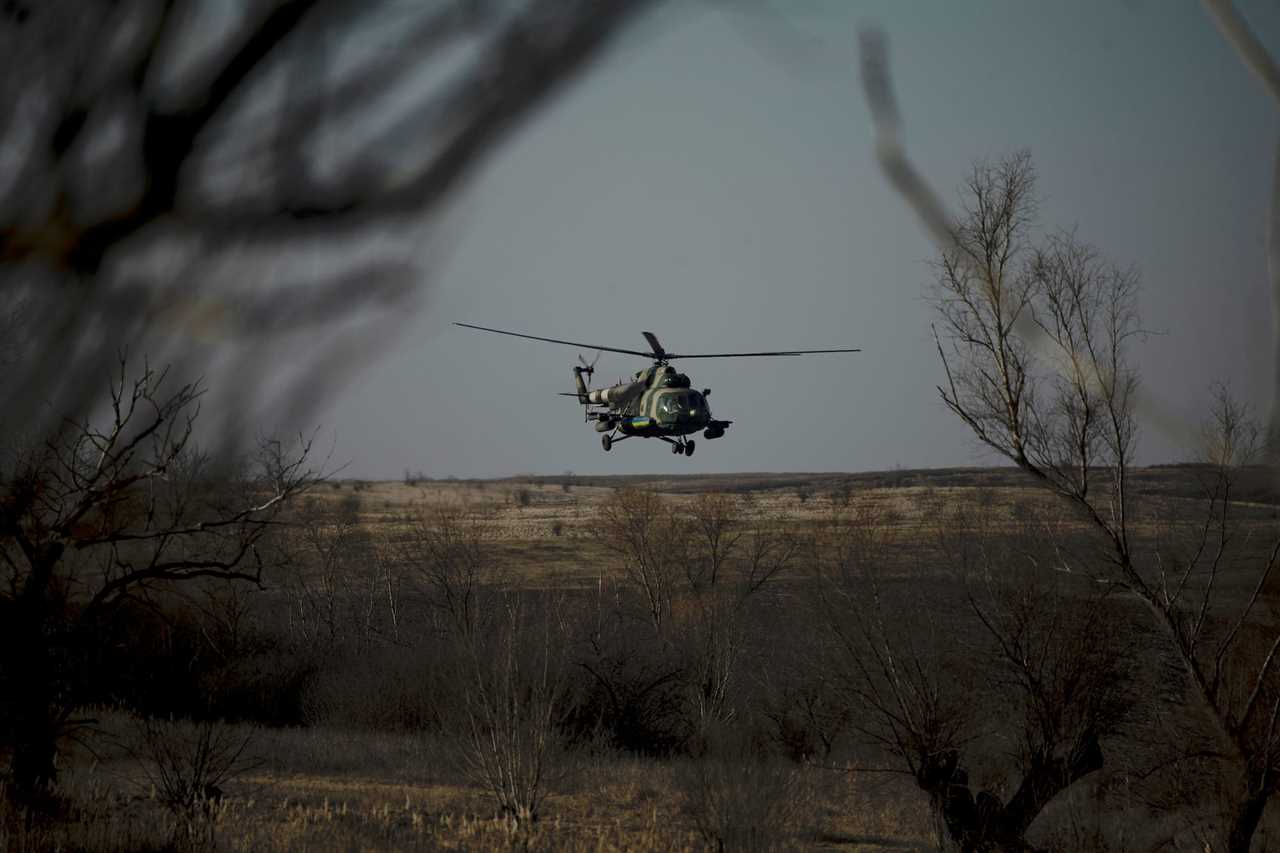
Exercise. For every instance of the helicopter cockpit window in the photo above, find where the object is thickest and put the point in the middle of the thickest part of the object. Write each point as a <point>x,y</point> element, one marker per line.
<point>687,403</point>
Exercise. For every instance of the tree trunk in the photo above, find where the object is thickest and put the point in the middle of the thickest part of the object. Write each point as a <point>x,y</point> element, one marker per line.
<point>1247,816</point>
<point>34,724</point>
<point>985,823</point>
<point>33,768</point>
<point>1045,779</point>
<point>31,679</point>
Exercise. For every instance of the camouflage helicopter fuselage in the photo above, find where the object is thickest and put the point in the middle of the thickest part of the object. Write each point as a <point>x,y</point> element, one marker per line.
<point>657,402</point>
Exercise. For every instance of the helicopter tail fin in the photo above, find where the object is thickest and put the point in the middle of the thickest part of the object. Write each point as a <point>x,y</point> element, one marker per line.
<point>582,386</point>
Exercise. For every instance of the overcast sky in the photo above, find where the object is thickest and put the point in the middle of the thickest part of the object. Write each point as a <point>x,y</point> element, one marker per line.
<point>713,181</point>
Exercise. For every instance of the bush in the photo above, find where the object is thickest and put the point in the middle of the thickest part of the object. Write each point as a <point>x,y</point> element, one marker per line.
<point>513,692</point>
<point>741,801</point>
<point>186,765</point>
<point>629,692</point>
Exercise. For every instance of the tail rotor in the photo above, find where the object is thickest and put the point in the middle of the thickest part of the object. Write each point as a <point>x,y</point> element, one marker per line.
<point>584,367</point>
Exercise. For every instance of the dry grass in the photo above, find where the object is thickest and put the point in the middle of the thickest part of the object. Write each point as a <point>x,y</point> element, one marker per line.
<point>329,789</point>
<point>326,789</point>
<point>546,536</point>
<point>549,538</point>
<point>616,803</point>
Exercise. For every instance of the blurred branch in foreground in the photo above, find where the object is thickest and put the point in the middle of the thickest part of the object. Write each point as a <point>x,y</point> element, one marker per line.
<point>234,188</point>
<point>1237,32</point>
<point>941,226</point>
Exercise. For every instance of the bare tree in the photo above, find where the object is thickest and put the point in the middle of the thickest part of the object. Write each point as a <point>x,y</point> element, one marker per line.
<point>650,538</point>
<point>1064,412</point>
<point>1209,584</point>
<point>1065,415</point>
<point>634,699</point>
<point>332,576</point>
<point>906,699</point>
<point>716,632</point>
<point>514,695</point>
<point>105,511</point>
<point>447,554</point>
<point>716,523</point>
<point>695,567</point>
<point>923,689</point>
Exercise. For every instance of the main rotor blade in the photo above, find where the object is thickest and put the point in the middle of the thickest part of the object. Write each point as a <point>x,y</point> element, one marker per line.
<point>658,352</point>
<point>653,342</point>
<point>558,341</point>
<point>675,355</point>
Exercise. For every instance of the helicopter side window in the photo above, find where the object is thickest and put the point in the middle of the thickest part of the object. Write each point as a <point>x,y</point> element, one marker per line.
<point>695,402</point>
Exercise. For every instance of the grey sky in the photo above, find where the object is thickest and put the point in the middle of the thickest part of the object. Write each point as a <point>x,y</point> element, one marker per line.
<point>714,181</point>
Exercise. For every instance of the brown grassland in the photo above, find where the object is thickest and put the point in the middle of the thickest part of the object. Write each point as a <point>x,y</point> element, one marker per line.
<point>335,781</point>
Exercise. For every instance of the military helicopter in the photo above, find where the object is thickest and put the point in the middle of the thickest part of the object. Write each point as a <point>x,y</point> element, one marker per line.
<point>657,403</point>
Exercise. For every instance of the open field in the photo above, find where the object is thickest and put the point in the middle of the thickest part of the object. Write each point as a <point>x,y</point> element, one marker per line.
<point>542,526</point>
<point>371,757</point>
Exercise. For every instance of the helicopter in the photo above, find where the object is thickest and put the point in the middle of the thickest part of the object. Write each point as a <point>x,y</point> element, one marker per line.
<point>657,402</point>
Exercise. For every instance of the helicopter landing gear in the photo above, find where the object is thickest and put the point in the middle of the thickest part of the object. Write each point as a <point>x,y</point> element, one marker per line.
<point>606,441</point>
<point>679,445</point>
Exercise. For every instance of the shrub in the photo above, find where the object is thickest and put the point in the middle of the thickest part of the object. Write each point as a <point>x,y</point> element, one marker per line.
<point>513,694</point>
<point>740,801</point>
<point>187,764</point>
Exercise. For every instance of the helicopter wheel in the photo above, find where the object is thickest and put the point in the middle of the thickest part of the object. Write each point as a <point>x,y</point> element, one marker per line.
<point>606,441</point>
<point>675,448</point>
<point>688,448</point>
